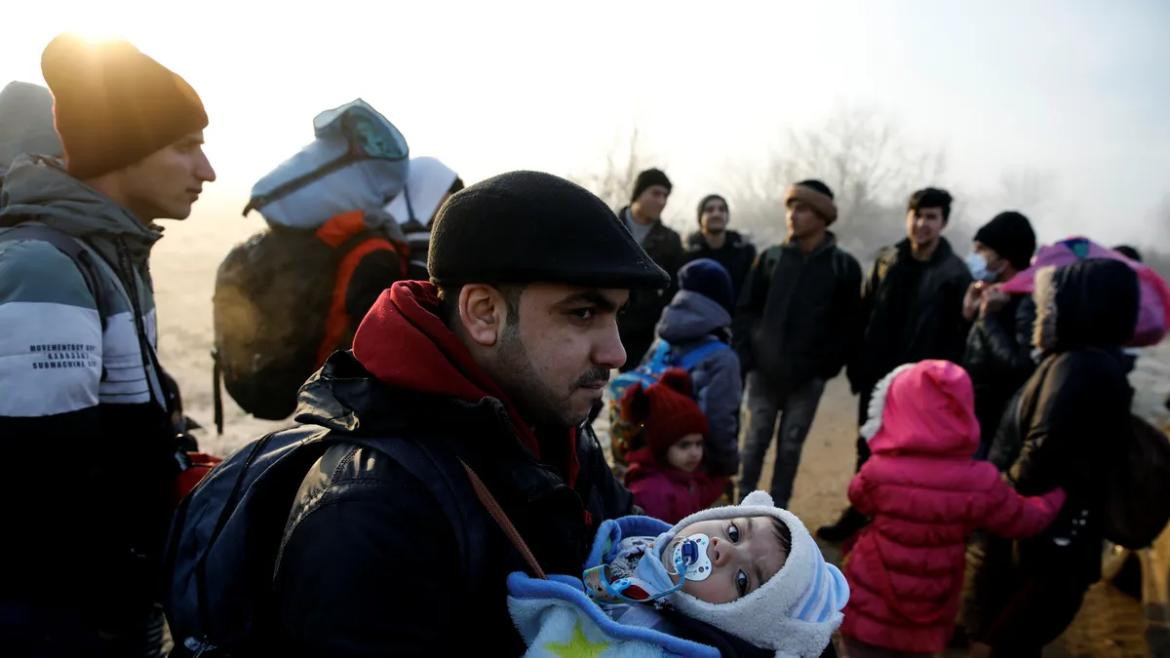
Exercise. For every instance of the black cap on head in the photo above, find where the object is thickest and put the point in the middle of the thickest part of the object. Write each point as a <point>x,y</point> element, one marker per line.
<point>711,197</point>
<point>647,179</point>
<point>1010,234</point>
<point>527,226</point>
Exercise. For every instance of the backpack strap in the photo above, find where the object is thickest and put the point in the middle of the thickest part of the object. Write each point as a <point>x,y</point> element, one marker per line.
<point>660,357</point>
<point>497,512</point>
<point>351,241</point>
<point>71,247</point>
<point>691,358</point>
<point>451,493</point>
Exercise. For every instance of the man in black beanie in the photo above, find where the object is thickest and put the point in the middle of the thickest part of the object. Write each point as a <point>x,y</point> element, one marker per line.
<point>86,409</point>
<point>495,363</point>
<point>999,348</point>
<point>715,241</point>
<point>643,218</point>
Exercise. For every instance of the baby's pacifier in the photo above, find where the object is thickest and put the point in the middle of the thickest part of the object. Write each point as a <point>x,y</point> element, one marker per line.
<point>691,553</point>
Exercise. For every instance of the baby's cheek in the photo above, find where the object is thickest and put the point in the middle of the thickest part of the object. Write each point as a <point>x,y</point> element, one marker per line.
<point>709,590</point>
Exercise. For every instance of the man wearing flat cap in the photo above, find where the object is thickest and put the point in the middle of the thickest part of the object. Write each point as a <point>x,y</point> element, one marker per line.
<point>794,330</point>
<point>86,409</point>
<point>495,363</point>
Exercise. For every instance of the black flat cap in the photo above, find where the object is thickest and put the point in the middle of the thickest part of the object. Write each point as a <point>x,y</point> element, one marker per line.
<point>528,226</point>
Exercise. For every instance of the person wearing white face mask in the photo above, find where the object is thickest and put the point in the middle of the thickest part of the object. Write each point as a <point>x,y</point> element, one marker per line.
<point>999,346</point>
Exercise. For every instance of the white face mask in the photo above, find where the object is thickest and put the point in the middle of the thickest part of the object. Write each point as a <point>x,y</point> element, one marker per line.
<point>979,270</point>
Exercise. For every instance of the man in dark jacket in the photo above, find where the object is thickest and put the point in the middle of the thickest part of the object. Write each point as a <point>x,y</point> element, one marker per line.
<point>80,383</point>
<point>793,332</point>
<point>643,218</point>
<point>1072,416</point>
<point>912,309</point>
<point>495,363</point>
<point>713,240</point>
<point>999,348</point>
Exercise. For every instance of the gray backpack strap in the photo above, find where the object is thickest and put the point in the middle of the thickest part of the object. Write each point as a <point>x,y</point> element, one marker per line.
<point>71,247</point>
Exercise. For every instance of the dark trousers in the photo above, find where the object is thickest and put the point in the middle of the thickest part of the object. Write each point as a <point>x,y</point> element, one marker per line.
<point>862,416</point>
<point>1039,610</point>
<point>797,409</point>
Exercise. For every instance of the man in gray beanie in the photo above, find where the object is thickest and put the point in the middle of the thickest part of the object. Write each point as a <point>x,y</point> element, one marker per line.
<point>26,123</point>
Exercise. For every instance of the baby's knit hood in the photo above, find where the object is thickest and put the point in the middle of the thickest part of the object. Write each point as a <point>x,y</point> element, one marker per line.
<point>796,611</point>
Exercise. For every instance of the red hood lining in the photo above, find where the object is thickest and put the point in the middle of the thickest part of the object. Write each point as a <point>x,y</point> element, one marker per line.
<point>403,343</point>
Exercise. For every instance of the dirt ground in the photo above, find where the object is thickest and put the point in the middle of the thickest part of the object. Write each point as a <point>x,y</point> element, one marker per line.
<point>1110,624</point>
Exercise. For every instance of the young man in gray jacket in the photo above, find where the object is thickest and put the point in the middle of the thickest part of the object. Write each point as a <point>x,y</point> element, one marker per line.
<point>85,410</point>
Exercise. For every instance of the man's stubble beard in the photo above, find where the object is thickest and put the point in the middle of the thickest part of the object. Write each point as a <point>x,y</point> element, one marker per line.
<point>518,378</point>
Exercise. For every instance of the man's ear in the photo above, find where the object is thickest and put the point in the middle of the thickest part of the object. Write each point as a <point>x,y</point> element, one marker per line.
<point>482,312</point>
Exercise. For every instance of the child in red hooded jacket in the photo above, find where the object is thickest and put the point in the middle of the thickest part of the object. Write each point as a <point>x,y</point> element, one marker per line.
<point>665,475</point>
<point>924,494</point>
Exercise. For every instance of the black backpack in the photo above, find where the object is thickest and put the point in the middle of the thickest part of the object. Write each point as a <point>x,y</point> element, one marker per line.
<point>1137,503</point>
<point>280,308</point>
<point>225,537</point>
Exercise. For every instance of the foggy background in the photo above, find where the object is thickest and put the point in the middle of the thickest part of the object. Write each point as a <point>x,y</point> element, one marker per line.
<point>1055,109</point>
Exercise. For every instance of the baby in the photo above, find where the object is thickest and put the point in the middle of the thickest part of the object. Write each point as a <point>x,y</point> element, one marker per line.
<point>751,571</point>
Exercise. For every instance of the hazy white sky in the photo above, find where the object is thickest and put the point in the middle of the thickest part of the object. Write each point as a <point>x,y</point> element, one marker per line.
<point>1075,92</point>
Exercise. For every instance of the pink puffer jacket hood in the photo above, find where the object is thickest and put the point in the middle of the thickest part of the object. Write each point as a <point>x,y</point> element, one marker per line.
<point>925,408</point>
<point>924,495</point>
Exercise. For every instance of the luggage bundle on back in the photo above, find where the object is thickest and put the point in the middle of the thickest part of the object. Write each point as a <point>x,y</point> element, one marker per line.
<point>358,162</point>
<point>283,298</point>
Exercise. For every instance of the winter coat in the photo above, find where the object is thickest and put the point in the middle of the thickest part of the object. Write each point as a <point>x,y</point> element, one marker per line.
<point>911,311</point>
<point>369,563</point>
<point>665,492</point>
<point>1073,409</point>
<point>716,381</point>
<point>636,323</point>
<point>999,360</point>
<point>736,256</point>
<point>83,383</point>
<point>797,313</point>
<point>925,495</point>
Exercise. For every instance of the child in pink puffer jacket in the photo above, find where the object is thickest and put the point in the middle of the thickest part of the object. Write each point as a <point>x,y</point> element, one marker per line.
<point>924,494</point>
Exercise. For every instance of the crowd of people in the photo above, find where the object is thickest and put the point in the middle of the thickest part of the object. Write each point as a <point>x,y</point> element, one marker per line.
<point>443,490</point>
